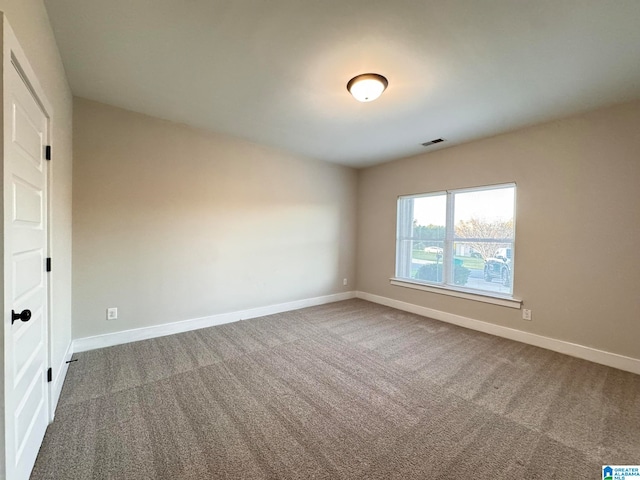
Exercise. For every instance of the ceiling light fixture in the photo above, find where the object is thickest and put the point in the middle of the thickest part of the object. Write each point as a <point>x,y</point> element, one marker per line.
<point>367,87</point>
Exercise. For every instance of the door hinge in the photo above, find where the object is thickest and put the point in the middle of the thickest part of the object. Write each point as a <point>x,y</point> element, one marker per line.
<point>47,152</point>
<point>48,266</point>
<point>49,374</point>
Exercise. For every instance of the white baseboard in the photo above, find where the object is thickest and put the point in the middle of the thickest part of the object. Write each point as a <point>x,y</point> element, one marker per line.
<point>56,387</point>
<point>573,349</point>
<point>134,335</point>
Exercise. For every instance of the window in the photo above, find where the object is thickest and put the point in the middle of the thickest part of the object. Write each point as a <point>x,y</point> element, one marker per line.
<point>459,239</point>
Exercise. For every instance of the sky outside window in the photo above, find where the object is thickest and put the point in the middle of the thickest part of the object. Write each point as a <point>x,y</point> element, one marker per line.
<point>490,205</point>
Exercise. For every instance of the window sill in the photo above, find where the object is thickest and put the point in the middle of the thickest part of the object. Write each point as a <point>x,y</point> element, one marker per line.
<point>503,301</point>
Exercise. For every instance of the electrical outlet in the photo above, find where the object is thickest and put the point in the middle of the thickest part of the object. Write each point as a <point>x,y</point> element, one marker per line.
<point>112,313</point>
<point>344,282</point>
<point>526,314</point>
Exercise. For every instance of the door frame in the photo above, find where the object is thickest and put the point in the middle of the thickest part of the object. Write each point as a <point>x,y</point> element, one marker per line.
<point>13,56</point>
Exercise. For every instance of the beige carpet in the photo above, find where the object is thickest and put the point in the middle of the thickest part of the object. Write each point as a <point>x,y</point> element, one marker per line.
<point>347,390</point>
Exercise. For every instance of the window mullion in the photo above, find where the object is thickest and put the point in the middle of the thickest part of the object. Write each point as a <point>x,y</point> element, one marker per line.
<point>448,242</point>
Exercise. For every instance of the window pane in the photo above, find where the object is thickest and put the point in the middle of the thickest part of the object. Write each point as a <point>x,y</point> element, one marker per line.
<point>421,235</point>
<point>429,220</point>
<point>483,239</point>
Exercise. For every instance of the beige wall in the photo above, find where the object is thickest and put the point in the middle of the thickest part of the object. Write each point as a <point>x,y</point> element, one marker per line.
<point>578,225</point>
<point>30,23</point>
<point>173,223</point>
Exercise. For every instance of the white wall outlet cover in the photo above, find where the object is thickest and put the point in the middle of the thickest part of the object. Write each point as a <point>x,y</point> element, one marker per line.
<point>526,314</point>
<point>112,313</point>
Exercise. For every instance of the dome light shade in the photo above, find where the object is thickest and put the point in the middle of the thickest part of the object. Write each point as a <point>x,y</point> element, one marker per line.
<point>367,87</point>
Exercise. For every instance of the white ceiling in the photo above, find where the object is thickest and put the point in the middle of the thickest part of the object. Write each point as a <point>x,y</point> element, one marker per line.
<point>275,72</point>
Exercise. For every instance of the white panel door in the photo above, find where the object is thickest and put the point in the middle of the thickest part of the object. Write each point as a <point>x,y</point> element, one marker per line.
<point>25,235</point>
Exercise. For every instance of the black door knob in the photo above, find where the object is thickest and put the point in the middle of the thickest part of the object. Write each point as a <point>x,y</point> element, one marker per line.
<point>24,315</point>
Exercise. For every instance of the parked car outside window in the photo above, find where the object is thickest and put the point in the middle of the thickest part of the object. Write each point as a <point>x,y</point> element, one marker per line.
<point>499,266</point>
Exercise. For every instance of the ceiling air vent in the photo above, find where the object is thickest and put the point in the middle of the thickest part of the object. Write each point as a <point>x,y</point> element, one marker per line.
<point>437,140</point>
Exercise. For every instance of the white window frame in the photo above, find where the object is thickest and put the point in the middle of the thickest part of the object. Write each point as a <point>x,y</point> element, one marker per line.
<point>447,286</point>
